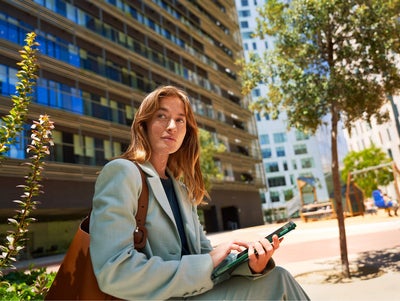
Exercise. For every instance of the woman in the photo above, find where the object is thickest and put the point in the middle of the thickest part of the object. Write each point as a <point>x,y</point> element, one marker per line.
<point>178,259</point>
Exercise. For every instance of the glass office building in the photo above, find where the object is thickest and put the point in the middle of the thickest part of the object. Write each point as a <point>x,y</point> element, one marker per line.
<point>98,59</point>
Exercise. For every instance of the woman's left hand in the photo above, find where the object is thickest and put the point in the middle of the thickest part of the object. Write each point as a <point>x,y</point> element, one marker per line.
<point>261,252</point>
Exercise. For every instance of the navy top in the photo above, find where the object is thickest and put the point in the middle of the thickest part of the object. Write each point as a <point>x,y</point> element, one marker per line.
<point>173,202</point>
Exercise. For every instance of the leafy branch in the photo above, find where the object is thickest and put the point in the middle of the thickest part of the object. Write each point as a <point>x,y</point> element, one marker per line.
<point>12,126</point>
<point>13,123</point>
<point>39,149</point>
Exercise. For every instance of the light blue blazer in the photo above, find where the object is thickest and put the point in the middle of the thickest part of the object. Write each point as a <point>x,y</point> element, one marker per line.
<point>159,272</point>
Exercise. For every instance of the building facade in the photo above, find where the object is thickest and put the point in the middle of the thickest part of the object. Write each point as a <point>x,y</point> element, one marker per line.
<point>98,59</point>
<point>385,136</point>
<point>287,153</point>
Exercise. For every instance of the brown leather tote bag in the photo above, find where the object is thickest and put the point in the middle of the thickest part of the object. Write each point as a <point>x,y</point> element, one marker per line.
<point>75,279</point>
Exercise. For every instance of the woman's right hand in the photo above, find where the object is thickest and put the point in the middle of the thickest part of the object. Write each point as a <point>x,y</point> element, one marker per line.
<point>219,253</point>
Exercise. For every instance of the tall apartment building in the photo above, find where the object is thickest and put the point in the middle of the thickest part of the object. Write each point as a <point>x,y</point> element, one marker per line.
<point>98,59</point>
<point>385,136</point>
<point>287,154</point>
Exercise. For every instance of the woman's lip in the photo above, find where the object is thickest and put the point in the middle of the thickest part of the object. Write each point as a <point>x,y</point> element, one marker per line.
<point>169,138</point>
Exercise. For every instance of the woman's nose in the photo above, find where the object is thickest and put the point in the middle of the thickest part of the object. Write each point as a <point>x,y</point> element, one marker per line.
<point>171,124</point>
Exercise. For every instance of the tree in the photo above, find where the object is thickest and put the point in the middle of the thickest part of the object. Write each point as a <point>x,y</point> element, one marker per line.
<point>207,164</point>
<point>367,160</point>
<point>331,57</point>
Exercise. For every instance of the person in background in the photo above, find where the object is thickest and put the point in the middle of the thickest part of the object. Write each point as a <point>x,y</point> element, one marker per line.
<point>370,206</point>
<point>390,203</point>
<point>178,259</point>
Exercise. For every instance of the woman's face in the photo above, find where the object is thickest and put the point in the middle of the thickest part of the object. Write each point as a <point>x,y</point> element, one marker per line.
<point>167,128</point>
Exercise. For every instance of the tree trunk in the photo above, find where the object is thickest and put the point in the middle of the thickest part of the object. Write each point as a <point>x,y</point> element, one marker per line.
<point>338,194</point>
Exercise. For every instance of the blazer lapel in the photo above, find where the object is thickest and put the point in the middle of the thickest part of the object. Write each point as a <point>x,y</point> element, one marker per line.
<point>156,187</point>
<point>186,208</point>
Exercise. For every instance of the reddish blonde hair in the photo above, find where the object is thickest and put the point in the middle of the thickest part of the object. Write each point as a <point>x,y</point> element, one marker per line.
<point>185,162</point>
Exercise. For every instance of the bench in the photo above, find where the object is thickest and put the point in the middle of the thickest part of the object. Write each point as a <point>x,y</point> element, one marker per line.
<point>316,211</point>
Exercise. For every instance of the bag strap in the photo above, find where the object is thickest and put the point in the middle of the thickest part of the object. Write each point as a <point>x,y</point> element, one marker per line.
<point>140,233</point>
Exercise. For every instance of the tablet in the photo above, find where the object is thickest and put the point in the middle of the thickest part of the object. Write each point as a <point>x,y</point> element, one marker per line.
<point>233,260</point>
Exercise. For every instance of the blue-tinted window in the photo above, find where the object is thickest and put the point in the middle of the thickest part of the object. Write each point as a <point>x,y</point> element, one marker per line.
<point>280,151</point>
<point>264,139</point>
<point>256,92</point>
<point>244,24</point>
<point>17,150</point>
<point>266,153</point>
<point>280,137</point>
<point>244,13</point>
<point>247,35</point>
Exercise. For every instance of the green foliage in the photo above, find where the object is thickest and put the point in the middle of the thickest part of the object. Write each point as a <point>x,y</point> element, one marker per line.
<point>207,164</point>
<point>329,56</point>
<point>38,149</point>
<point>370,179</point>
<point>13,123</point>
<point>31,285</point>
<point>17,285</point>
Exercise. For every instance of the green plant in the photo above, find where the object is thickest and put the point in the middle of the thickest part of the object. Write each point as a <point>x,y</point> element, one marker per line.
<point>30,285</point>
<point>13,123</point>
<point>208,150</point>
<point>38,148</point>
<point>370,168</point>
<point>36,285</point>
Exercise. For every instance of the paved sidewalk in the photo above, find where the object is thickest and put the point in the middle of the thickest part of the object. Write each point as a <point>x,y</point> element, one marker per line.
<point>314,246</point>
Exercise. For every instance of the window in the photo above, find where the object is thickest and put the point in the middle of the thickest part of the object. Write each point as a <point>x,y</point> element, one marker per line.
<point>254,46</point>
<point>276,181</point>
<point>17,150</point>
<point>271,167</point>
<point>256,93</point>
<point>390,154</point>
<point>388,135</point>
<point>244,13</point>
<point>244,2</point>
<point>274,196</point>
<point>291,180</point>
<point>301,136</point>
<point>280,151</point>
<point>280,137</point>
<point>288,194</point>
<point>247,35</point>
<point>300,149</point>
<point>307,163</point>
<point>266,153</point>
<point>244,24</point>
<point>264,139</point>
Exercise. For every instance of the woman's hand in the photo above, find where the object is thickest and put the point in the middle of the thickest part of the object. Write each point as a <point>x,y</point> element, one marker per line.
<point>261,252</point>
<point>219,253</point>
